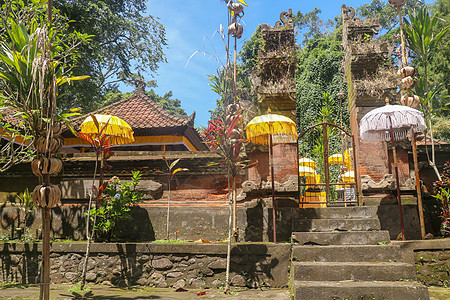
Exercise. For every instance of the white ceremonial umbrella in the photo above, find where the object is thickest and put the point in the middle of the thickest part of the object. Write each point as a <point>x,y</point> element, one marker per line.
<point>392,122</point>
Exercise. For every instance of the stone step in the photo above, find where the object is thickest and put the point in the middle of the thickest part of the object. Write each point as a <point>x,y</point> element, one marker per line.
<point>324,225</point>
<point>359,290</point>
<point>346,253</point>
<point>354,212</point>
<point>342,237</point>
<point>363,271</point>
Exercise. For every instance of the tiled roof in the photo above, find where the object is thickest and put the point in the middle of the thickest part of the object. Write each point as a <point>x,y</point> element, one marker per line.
<point>8,116</point>
<point>140,112</point>
<point>420,140</point>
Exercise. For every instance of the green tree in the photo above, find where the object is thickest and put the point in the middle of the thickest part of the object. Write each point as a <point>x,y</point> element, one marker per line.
<point>386,15</point>
<point>125,41</point>
<point>311,24</point>
<point>423,41</point>
<point>319,72</point>
<point>438,73</point>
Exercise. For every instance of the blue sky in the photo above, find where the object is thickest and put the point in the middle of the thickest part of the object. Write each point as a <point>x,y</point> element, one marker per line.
<point>190,26</point>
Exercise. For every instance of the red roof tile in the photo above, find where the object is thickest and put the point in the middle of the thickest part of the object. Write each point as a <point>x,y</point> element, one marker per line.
<point>420,140</point>
<point>8,117</point>
<point>140,112</point>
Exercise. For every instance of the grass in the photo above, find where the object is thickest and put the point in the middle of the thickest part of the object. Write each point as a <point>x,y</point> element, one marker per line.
<point>77,288</point>
<point>169,242</point>
<point>5,285</point>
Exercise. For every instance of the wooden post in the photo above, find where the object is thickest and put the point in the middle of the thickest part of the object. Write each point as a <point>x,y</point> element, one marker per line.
<point>325,162</point>
<point>356,172</point>
<point>298,175</point>
<point>273,190</point>
<point>418,187</point>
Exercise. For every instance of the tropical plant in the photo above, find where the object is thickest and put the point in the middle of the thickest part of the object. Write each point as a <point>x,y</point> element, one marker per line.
<point>35,60</point>
<point>170,176</point>
<point>102,148</point>
<point>115,202</point>
<point>15,146</point>
<point>223,133</point>
<point>423,41</point>
<point>442,193</point>
<point>26,208</point>
<point>32,66</point>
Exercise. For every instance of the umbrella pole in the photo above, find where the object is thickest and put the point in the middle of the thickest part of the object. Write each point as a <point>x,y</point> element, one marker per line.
<point>273,190</point>
<point>394,153</point>
<point>418,188</point>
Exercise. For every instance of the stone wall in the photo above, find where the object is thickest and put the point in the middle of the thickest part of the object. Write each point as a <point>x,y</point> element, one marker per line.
<point>432,260</point>
<point>254,221</point>
<point>388,214</point>
<point>433,267</point>
<point>161,265</point>
<point>147,223</point>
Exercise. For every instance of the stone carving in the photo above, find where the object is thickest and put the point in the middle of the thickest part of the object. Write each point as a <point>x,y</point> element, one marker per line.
<point>273,81</point>
<point>251,189</point>
<point>387,183</point>
<point>347,12</point>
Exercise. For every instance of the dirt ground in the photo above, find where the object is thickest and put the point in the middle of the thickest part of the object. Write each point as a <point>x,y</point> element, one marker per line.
<point>64,291</point>
<point>104,292</point>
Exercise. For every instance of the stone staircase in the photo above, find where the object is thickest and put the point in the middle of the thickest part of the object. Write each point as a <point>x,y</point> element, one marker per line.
<point>341,253</point>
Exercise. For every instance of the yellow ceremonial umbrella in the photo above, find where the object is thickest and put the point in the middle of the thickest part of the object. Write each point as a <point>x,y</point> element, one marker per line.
<point>307,172</point>
<point>118,130</point>
<point>271,129</point>
<point>336,159</point>
<point>304,161</point>
<point>348,153</point>
<point>348,176</point>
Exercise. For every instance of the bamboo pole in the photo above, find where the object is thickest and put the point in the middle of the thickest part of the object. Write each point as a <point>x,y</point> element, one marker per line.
<point>402,38</point>
<point>356,172</point>
<point>235,229</point>
<point>45,284</point>
<point>418,188</point>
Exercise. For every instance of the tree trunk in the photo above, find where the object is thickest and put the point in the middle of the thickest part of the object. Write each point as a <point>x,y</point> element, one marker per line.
<point>230,233</point>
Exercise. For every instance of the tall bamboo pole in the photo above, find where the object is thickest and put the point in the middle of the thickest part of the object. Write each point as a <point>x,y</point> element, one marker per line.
<point>402,39</point>
<point>45,278</point>
<point>418,188</point>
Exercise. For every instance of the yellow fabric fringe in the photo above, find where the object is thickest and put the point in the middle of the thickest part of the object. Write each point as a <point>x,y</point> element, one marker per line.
<point>118,129</point>
<point>282,129</point>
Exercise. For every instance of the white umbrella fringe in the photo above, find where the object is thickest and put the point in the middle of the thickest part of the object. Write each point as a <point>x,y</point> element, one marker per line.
<point>375,125</point>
